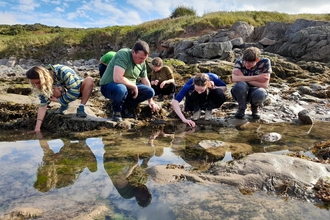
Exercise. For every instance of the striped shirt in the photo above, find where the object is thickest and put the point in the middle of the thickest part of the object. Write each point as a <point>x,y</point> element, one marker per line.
<point>65,77</point>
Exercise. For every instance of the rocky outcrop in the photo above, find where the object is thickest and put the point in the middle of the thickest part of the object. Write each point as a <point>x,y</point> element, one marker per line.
<point>304,40</point>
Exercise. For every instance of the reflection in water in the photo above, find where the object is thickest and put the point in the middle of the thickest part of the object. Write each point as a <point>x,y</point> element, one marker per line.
<point>119,180</point>
<point>63,168</point>
<point>129,178</point>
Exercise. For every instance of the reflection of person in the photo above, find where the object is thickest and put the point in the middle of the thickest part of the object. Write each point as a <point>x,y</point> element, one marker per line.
<point>159,132</point>
<point>251,75</point>
<point>129,178</point>
<point>205,91</point>
<point>59,84</point>
<point>161,79</point>
<point>104,61</point>
<point>63,168</point>
<point>119,82</point>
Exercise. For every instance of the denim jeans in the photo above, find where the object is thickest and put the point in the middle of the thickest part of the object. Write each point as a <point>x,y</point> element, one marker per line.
<point>122,97</point>
<point>243,93</point>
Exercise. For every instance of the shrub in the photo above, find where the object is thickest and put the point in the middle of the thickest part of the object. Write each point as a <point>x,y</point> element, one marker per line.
<point>183,11</point>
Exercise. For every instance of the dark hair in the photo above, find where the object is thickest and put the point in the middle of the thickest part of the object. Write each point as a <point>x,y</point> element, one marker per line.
<point>251,54</point>
<point>157,61</point>
<point>142,195</point>
<point>141,45</point>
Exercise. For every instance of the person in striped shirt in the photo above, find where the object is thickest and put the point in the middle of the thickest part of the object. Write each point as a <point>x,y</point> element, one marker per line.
<point>59,83</point>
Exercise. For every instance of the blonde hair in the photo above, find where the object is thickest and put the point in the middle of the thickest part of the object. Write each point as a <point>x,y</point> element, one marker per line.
<point>46,80</point>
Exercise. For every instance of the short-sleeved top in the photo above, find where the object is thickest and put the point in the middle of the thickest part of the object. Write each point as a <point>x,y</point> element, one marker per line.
<point>106,58</point>
<point>165,73</point>
<point>65,77</point>
<point>123,58</point>
<point>262,66</point>
<point>190,85</point>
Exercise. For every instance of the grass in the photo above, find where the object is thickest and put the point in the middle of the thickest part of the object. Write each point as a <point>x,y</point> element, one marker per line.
<point>52,43</point>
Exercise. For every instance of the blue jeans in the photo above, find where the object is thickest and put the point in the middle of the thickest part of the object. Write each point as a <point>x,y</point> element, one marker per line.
<point>121,97</point>
<point>243,93</point>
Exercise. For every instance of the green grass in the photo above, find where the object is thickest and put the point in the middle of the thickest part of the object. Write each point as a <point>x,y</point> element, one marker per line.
<point>42,42</point>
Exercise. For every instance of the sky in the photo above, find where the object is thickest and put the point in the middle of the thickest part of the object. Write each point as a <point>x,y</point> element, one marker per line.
<point>103,13</point>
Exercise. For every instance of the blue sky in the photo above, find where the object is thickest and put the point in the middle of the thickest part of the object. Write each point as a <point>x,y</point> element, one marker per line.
<point>102,13</point>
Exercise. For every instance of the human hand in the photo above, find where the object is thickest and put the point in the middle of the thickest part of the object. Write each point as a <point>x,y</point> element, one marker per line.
<point>262,78</point>
<point>135,92</point>
<point>189,122</point>
<point>154,107</point>
<point>156,82</point>
<point>53,99</point>
<point>212,84</point>
<point>162,84</point>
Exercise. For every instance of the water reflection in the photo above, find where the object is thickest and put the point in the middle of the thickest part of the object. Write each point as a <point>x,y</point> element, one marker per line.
<point>63,168</point>
<point>65,178</point>
<point>128,177</point>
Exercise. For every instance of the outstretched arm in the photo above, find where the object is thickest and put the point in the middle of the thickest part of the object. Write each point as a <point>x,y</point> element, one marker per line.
<point>176,108</point>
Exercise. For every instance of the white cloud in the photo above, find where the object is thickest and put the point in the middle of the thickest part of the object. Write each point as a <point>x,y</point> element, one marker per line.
<point>58,9</point>
<point>8,18</point>
<point>27,5</point>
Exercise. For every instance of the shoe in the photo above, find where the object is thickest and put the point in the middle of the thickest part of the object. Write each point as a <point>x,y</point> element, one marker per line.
<point>254,110</point>
<point>196,115</point>
<point>61,110</point>
<point>116,116</point>
<point>81,112</point>
<point>126,113</point>
<point>160,98</point>
<point>171,96</point>
<point>240,114</point>
<point>208,115</point>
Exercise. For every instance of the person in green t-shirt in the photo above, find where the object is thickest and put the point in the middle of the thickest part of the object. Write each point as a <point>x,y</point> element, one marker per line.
<point>119,81</point>
<point>105,60</point>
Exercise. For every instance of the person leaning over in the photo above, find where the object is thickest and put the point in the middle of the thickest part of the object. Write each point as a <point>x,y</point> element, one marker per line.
<point>104,61</point>
<point>161,79</point>
<point>59,83</point>
<point>205,91</point>
<point>119,82</point>
<point>251,75</point>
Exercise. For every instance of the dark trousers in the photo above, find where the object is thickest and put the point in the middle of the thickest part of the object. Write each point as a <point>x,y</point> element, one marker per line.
<point>166,90</point>
<point>102,68</point>
<point>214,99</point>
<point>243,94</point>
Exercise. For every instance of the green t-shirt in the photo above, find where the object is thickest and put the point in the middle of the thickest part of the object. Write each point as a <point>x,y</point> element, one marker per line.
<point>124,59</point>
<point>107,57</point>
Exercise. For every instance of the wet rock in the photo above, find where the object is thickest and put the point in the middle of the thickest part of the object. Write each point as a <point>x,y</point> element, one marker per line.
<point>305,118</point>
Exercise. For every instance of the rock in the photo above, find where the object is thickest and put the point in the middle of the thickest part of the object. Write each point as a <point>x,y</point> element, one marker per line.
<point>305,118</point>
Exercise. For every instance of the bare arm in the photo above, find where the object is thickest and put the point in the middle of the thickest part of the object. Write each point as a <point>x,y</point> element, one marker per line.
<point>176,108</point>
<point>151,102</point>
<point>261,80</point>
<point>118,77</point>
<point>40,117</point>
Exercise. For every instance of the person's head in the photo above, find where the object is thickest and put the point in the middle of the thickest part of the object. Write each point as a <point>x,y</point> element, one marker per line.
<point>157,63</point>
<point>251,56</point>
<point>140,51</point>
<point>41,80</point>
<point>201,82</point>
<point>142,195</point>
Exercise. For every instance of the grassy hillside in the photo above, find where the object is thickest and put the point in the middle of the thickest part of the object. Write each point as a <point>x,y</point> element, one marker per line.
<point>49,44</point>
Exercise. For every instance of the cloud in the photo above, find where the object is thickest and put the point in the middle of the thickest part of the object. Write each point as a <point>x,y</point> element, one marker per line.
<point>27,5</point>
<point>8,18</point>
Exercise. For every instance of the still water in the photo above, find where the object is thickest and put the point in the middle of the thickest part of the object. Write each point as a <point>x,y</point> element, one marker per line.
<point>67,178</point>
